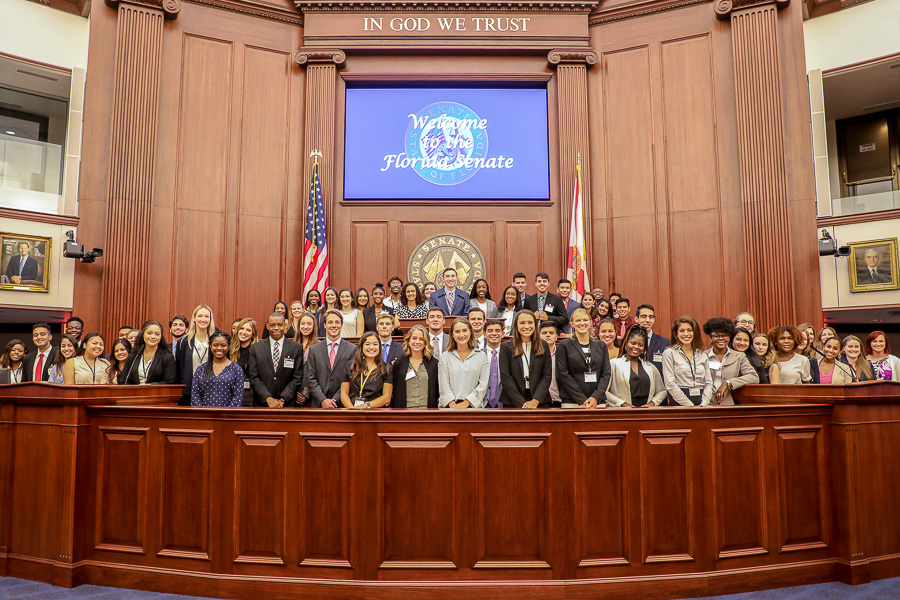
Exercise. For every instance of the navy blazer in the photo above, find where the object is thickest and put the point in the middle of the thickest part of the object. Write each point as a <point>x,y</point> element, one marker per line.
<point>30,270</point>
<point>572,307</point>
<point>460,302</point>
<point>658,344</point>
<point>571,365</point>
<point>281,383</point>
<point>394,352</point>
<point>400,368</point>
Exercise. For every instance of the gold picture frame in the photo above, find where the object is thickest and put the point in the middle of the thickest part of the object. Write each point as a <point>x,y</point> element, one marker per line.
<point>874,266</point>
<point>34,274</point>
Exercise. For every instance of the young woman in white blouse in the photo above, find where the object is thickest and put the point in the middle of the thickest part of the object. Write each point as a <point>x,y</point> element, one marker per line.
<point>463,371</point>
<point>354,323</point>
<point>686,370</point>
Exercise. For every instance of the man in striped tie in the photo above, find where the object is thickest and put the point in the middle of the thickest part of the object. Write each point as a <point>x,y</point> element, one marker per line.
<point>453,301</point>
<point>276,367</point>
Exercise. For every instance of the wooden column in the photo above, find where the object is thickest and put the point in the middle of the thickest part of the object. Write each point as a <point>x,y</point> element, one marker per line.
<point>764,195</point>
<point>132,160</point>
<point>318,127</point>
<point>572,103</point>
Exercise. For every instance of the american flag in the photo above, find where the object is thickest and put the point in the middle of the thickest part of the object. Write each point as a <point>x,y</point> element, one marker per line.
<point>315,248</point>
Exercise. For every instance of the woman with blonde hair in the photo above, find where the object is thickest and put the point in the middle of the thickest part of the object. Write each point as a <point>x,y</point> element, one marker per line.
<point>246,334</point>
<point>852,356</point>
<point>416,372</point>
<point>295,311</point>
<point>762,347</point>
<point>193,349</point>
<point>825,334</point>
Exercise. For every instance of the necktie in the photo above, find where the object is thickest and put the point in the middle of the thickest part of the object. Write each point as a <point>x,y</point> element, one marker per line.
<point>494,379</point>
<point>40,368</point>
<point>331,353</point>
<point>276,355</point>
<point>384,351</point>
<point>540,304</point>
<point>450,302</point>
<point>436,346</point>
<point>21,265</point>
<point>174,347</point>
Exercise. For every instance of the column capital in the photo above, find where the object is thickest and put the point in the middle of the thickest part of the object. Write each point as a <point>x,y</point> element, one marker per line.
<point>169,8</point>
<point>310,56</point>
<point>724,8</point>
<point>579,56</point>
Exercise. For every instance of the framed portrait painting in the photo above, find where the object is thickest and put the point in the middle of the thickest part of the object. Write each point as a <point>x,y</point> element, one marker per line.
<point>874,266</point>
<point>24,262</point>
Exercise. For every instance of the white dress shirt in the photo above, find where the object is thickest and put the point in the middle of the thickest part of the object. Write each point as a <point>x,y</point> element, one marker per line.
<point>36,375</point>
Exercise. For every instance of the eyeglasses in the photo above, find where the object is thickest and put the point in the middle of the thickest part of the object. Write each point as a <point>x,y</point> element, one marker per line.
<point>746,322</point>
<point>719,336</point>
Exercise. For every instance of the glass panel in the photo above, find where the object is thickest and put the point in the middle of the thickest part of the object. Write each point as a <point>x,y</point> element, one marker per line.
<point>854,205</point>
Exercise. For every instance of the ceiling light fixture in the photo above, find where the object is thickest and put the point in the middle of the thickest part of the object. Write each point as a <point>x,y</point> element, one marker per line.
<point>10,133</point>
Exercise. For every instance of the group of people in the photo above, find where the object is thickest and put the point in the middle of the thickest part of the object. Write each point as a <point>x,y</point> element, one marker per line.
<point>523,351</point>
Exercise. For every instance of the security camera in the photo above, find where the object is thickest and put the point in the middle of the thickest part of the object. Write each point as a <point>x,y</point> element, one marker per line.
<point>74,250</point>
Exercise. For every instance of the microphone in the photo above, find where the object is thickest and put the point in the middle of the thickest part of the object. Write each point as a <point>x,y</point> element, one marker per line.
<point>837,363</point>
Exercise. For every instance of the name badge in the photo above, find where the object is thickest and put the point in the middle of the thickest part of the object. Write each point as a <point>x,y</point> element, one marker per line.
<point>694,391</point>
<point>657,357</point>
<point>586,350</point>
<point>715,365</point>
<point>359,402</point>
<point>288,363</point>
<point>410,374</point>
<point>590,377</point>
<point>246,385</point>
<point>548,309</point>
<point>527,384</point>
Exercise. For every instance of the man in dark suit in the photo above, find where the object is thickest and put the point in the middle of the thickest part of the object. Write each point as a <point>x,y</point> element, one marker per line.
<point>276,367</point>
<point>390,350</point>
<point>37,365</point>
<point>436,335</point>
<point>519,282</point>
<point>646,318</point>
<point>564,289</point>
<point>23,267</point>
<point>453,301</point>
<point>327,362</point>
<point>873,272</point>
<point>493,333</point>
<point>545,304</point>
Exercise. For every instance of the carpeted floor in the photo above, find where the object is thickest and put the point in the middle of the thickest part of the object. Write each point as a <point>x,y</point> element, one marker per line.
<point>20,589</point>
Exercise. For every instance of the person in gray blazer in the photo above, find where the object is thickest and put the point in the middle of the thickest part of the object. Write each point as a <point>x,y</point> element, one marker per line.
<point>635,381</point>
<point>564,289</point>
<point>436,336</point>
<point>327,362</point>
<point>730,369</point>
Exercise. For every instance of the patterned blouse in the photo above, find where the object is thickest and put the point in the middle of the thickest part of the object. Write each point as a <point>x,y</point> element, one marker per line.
<point>420,312</point>
<point>224,389</point>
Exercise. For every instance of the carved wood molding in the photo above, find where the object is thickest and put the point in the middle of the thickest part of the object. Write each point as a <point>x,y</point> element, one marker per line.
<point>631,11</point>
<point>580,56</point>
<point>332,56</point>
<point>551,6</point>
<point>264,11</point>
<point>724,8</point>
<point>170,8</point>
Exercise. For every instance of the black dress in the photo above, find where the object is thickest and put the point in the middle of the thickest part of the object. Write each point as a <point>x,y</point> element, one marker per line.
<point>640,386</point>
<point>244,362</point>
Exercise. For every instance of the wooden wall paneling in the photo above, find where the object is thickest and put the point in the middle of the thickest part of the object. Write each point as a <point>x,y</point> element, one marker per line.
<point>327,500</point>
<point>764,188</point>
<point>7,437</point>
<point>602,502</point>
<point>528,239</point>
<point>131,163</point>
<point>185,500</point>
<point>371,256</point>
<point>203,172</point>
<point>628,124</point>
<point>121,487</point>
<point>454,221</point>
<point>875,440</point>
<point>419,505</point>
<point>739,488</point>
<point>689,159</point>
<point>260,469</point>
<point>260,251</point>
<point>518,538</point>
<point>803,523</point>
<point>668,497</point>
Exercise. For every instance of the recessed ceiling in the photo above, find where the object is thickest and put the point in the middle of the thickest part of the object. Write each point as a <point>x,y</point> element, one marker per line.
<point>861,91</point>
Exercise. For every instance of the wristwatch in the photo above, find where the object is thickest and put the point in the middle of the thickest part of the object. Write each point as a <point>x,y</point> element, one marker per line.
<point>368,405</point>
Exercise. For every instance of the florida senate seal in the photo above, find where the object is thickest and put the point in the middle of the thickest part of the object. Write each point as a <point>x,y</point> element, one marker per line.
<point>439,252</point>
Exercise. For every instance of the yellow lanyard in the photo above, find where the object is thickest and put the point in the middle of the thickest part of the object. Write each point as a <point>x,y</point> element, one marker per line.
<point>362,381</point>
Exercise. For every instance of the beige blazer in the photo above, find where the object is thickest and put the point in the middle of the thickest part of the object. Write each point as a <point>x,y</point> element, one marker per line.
<point>619,390</point>
<point>736,369</point>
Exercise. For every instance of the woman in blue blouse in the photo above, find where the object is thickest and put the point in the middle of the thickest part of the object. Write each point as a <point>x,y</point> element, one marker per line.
<point>220,382</point>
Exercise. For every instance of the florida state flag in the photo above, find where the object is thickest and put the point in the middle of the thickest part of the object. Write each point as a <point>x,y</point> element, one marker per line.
<point>576,267</point>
